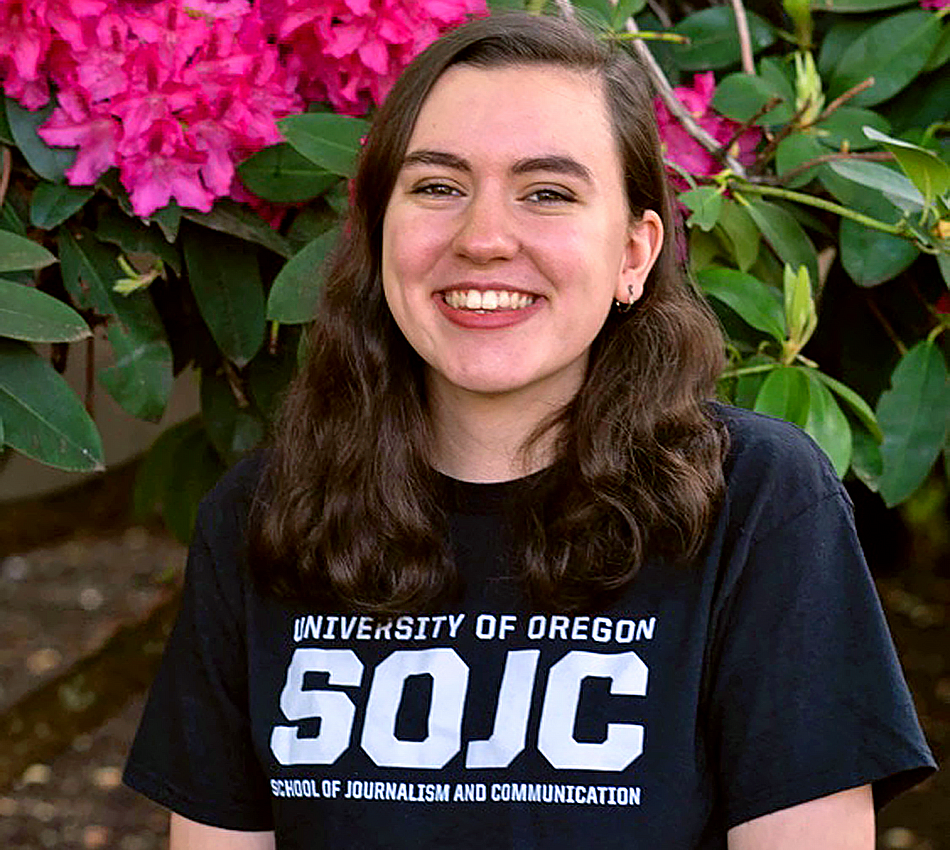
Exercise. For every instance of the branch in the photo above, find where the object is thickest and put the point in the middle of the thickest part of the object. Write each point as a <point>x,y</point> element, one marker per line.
<point>665,92</point>
<point>831,157</point>
<point>745,40</point>
<point>821,203</point>
<point>844,98</point>
<point>770,104</point>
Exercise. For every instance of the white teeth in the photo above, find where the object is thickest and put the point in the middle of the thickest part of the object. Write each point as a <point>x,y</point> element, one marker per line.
<point>487,300</point>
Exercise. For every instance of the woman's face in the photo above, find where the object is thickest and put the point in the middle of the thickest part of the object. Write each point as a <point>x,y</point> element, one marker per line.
<point>507,235</point>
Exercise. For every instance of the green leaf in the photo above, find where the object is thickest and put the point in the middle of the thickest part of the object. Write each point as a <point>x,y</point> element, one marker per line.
<point>236,220</point>
<point>827,425</point>
<point>793,151</point>
<point>785,235</point>
<point>18,253</point>
<point>896,187</point>
<point>893,51</point>
<point>268,375</point>
<point>713,39</point>
<point>913,415</point>
<point>866,460</point>
<point>53,203</point>
<point>598,13</point>
<point>741,233</point>
<point>225,277</point>
<point>941,53</point>
<point>857,404</point>
<point>33,316</point>
<point>749,297</point>
<point>785,394</point>
<point>168,219</point>
<point>929,173</point>
<point>141,378</point>
<point>842,34</point>
<point>748,386</point>
<point>843,127</point>
<point>943,262</point>
<point>49,163</point>
<point>136,237</point>
<point>871,257</point>
<point>703,249</point>
<point>233,431</point>
<point>293,297</point>
<point>152,476</point>
<point>626,9</point>
<point>282,175</point>
<point>329,140</point>
<point>196,467</point>
<point>10,219</point>
<point>741,96</point>
<point>800,317</point>
<point>6,134</point>
<point>42,417</point>
<point>706,204</point>
<point>857,5</point>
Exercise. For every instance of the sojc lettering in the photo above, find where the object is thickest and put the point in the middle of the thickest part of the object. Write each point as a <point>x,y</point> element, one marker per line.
<point>336,710</point>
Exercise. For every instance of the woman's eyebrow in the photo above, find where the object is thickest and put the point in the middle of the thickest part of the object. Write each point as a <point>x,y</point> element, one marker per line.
<point>429,157</point>
<point>553,163</point>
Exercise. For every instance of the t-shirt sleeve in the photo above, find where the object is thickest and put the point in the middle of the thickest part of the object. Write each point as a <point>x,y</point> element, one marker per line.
<point>193,752</point>
<point>808,697</point>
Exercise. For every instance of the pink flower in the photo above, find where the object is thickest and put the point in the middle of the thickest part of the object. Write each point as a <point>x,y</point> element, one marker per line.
<point>94,131</point>
<point>935,5</point>
<point>682,149</point>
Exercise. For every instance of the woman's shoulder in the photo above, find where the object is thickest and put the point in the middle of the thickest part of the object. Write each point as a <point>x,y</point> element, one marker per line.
<point>771,460</point>
<point>228,503</point>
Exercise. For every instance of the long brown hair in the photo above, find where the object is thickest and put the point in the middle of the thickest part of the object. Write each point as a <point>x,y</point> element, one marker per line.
<point>348,514</point>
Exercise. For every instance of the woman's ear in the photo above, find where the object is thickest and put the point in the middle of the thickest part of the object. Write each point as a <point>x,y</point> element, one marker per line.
<point>644,240</point>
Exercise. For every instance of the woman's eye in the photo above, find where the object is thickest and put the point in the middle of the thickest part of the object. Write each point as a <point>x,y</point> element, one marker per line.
<point>435,190</point>
<point>550,196</point>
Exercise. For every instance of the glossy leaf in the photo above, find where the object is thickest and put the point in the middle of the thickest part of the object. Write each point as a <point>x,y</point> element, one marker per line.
<point>858,405</point>
<point>135,237</point>
<point>326,139</point>
<point>751,299</point>
<point>626,9</point>
<point>156,476</point>
<point>269,374</point>
<point>19,253</point>
<point>10,220</point>
<point>33,316</point>
<point>795,150</point>
<point>785,235</point>
<point>141,378</point>
<point>893,51</point>
<point>713,39</point>
<point>896,187</point>
<point>233,430</point>
<point>168,219</point>
<point>943,262</point>
<point>843,127</point>
<point>913,414</point>
<point>741,96</point>
<point>941,52</point>
<point>280,174</point>
<point>741,233</point>
<point>49,163</point>
<point>53,203</point>
<point>827,425</point>
<point>293,297</point>
<point>841,35</point>
<point>42,417</point>
<point>929,173</point>
<point>226,280</point>
<point>185,491</point>
<point>747,386</point>
<point>785,394</point>
<point>866,460</point>
<point>871,257</point>
<point>705,203</point>
<point>236,220</point>
<point>6,134</point>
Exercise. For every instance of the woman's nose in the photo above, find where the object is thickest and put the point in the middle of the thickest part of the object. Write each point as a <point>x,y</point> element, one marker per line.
<point>486,231</point>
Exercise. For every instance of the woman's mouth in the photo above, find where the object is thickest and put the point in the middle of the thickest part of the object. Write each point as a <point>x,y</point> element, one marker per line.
<point>487,300</point>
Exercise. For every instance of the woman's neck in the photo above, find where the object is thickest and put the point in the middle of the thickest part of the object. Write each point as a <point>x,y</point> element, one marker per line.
<point>482,438</point>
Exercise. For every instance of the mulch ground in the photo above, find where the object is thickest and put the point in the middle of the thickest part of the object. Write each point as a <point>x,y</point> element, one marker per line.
<point>59,603</point>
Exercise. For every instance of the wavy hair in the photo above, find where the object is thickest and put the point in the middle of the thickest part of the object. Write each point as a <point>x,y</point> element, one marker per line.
<point>348,511</point>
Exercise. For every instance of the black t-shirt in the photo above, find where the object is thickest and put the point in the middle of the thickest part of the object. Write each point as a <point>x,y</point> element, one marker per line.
<point>760,677</point>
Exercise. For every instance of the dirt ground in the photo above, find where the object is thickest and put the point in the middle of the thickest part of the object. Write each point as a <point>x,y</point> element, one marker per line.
<point>60,602</point>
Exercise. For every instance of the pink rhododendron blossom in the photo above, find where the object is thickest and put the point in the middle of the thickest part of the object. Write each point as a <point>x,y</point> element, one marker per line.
<point>682,149</point>
<point>173,93</point>
<point>935,5</point>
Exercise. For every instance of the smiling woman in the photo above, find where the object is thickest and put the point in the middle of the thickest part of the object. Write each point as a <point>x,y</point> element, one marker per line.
<point>393,630</point>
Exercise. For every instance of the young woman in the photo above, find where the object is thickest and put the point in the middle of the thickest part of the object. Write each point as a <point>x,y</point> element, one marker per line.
<point>505,576</point>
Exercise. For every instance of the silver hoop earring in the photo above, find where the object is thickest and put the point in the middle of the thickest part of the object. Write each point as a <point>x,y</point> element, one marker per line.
<point>625,306</point>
